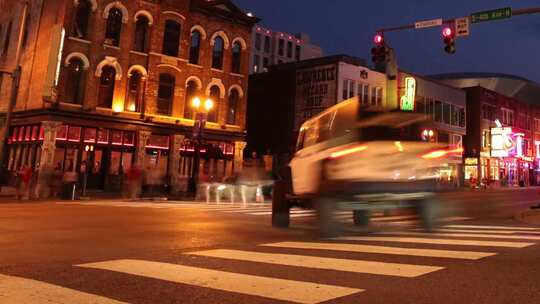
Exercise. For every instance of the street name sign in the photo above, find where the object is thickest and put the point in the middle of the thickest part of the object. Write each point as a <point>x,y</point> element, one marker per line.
<point>462,27</point>
<point>428,23</point>
<point>496,14</point>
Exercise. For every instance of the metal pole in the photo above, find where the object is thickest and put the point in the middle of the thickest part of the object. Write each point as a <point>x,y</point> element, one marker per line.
<point>15,79</point>
<point>518,12</point>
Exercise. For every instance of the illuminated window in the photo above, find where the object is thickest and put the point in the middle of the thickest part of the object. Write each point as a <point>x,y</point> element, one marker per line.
<point>82,15</point>
<point>214,95</point>
<point>171,38</point>
<point>75,81</point>
<point>134,95</point>
<point>165,94</point>
<point>195,47</point>
<point>114,26</point>
<point>233,105</point>
<point>236,57</point>
<point>217,53</point>
<point>191,92</point>
<point>141,34</point>
<point>106,87</point>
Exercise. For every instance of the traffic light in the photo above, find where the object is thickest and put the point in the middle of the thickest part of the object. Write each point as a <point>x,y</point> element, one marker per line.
<point>449,36</point>
<point>379,52</point>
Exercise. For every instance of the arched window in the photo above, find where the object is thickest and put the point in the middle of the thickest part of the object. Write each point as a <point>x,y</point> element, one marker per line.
<point>234,97</point>
<point>217,53</point>
<point>82,15</point>
<point>191,92</point>
<point>134,96</point>
<point>106,87</point>
<point>236,57</point>
<point>195,47</point>
<point>165,94</point>
<point>171,38</point>
<point>75,81</point>
<point>114,26</point>
<point>141,34</point>
<point>214,95</point>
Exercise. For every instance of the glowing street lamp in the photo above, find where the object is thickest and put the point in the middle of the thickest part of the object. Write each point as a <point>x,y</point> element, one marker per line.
<point>198,133</point>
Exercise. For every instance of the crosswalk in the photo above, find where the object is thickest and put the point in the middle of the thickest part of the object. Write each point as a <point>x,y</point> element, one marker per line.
<point>470,243</point>
<point>258,210</point>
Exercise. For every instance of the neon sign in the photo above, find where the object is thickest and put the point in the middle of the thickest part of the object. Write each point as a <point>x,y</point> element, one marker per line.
<point>407,100</point>
<point>502,142</point>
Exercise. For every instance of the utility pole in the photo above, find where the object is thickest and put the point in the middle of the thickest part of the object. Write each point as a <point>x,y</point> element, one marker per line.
<point>15,81</point>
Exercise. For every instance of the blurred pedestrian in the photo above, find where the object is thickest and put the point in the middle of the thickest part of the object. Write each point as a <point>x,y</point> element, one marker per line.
<point>26,178</point>
<point>69,180</point>
<point>56,180</point>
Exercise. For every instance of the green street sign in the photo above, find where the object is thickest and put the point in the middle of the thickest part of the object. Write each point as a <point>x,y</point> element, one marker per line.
<point>496,14</point>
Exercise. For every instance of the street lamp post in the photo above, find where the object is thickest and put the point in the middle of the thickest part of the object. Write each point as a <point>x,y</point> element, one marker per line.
<point>201,114</point>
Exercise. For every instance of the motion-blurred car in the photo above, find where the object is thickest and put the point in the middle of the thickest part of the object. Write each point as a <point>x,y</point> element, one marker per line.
<point>364,159</point>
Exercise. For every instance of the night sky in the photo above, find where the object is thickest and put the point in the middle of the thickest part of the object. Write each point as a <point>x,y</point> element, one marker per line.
<point>509,46</point>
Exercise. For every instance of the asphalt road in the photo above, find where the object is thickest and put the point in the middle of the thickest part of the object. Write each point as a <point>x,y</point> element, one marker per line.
<point>142,252</point>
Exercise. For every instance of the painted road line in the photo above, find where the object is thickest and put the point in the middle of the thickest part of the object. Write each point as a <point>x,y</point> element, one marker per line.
<point>304,215</point>
<point>487,231</point>
<point>493,227</point>
<point>435,241</point>
<point>356,266</point>
<point>393,218</point>
<point>271,288</point>
<point>475,235</point>
<point>21,290</point>
<point>244,210</point>
<point>435,253</point>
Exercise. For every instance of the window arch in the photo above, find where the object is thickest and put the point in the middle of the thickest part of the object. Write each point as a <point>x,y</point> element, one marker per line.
<point>234,98</point>
<point>106,86</point>
<point>81,18</point>
<point>215,93</point>
<point>165,94</point>
<point>141,34</point>
<point>217,53</point>
<point>134,93</point>
<point>171,38</point>
<point>191,92</point>
<point>114,26</point>
<point>76,72</point>
<point>236,57</point>
<point>195,48</point>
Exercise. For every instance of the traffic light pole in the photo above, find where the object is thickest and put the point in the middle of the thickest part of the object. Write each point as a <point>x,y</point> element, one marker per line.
<point>518,12</point>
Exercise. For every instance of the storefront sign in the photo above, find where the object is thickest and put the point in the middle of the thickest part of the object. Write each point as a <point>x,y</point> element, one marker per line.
<point>407,100</point>
<point>471,161</point>
<point>502,142</point>
<point>316,90</point>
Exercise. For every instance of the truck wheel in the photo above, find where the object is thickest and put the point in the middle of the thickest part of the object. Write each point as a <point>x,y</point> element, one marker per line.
<point>361,217</point>
<point>427,211</point>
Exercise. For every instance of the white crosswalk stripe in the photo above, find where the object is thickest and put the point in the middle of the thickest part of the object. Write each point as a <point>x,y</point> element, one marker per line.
<point>473,231</point>
<point>271,288</point>
<point>435,253</point>
<point>357,266</point>
<point>467,235</point>
<point>28,291</point>
<point>494,227</point>
<point>434,241</point>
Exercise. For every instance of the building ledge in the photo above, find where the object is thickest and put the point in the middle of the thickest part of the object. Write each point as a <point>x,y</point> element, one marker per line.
<point>79,40</point>
<point>139,53</point>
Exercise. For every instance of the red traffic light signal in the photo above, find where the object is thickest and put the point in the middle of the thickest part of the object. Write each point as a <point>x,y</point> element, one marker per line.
<point>447,32</point>
<point>378,39</point>
<point>449,36</point>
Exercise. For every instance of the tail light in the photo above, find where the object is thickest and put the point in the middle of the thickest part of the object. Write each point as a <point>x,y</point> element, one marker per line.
<point>441,153</point>
<point>347,151</point>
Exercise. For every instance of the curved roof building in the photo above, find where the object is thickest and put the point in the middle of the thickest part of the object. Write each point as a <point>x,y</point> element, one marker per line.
<point>510,85</point>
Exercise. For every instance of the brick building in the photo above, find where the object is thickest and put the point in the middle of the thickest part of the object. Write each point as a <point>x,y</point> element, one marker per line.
<point>111,83</point>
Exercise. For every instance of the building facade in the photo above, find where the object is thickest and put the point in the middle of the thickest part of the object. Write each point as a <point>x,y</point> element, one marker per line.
<point>445,107</point>
<point>109,84</point>
<point>271,47</point>
<point>501,143</point>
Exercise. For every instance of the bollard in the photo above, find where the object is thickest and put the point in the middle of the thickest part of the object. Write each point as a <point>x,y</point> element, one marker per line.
<point>280,205</point>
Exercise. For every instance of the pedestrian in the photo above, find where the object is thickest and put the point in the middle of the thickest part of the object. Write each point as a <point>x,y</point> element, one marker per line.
<point>26,178</point>
<point>69,180</point>
<point>56,180</point>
